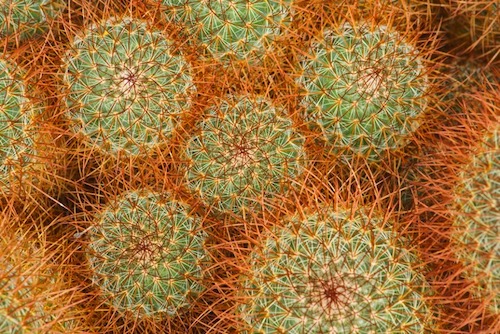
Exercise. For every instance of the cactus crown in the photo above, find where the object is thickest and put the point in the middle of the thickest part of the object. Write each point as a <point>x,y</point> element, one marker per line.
<point>126,86</point>
<point>364,88</point>
<point>241,29</point>
<point>24,17</point>
<point>147,253</point>
<point>333,274</point>
<point>16,145</point>
<point>476,228</point>
<point>246,152</point>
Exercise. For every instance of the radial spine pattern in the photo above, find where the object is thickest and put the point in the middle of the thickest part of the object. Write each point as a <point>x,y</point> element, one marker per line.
<point>233,28</point>
<point>476,225</point>
<point>127,86</point>
<point>16,144</point>
<point>333,274</point>
<point>147,253</point>
<point>364,89</point>
<point>247,152</point>
<point>25,18</point>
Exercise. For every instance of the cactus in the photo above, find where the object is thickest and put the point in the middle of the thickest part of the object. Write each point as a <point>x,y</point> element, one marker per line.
<point>25,18</point>
<point>247,152</point>
<point>475,227</point>
<point>33,297</point>
<point>127,86</point>
<point>147,254</point>
<point>16,142</point>
<point>364,89</point>
<point>333,273</point>
<point>238,29</point>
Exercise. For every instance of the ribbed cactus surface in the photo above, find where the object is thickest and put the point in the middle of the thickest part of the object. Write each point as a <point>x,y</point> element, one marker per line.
<point>16,144</point>
<point>147,254</point>
<point>477,222</point>
<point>243,29</point>
<point>333,273</point>
<point>25,18</point>
<point>364,88</point>
<point>126,86</point>
<point>246,153</point>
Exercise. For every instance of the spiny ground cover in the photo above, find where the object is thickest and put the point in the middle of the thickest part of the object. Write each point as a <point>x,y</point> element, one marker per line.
<point>189,141</point>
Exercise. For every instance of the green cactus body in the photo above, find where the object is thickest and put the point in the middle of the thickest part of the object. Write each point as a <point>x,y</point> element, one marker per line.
<point>16,143</point>
<point>476,227</point>
<point>364,89</point>
<point>247,152</point>
<point>25,18</point>
<point>333,274</point>
<point>240,29</point>
<point>147,253</point>
<point>127,87</point>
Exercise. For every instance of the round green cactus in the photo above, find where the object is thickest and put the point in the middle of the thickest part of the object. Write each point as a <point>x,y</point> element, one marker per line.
<point>247,152</point>
<point>476,225</point>
<point>364,89</point>
<point>25,18</point>
<point>16,142</point>
<point>332,273</point>
<point>127,86</point>
<point>241,29</point>
<point>147,253</point>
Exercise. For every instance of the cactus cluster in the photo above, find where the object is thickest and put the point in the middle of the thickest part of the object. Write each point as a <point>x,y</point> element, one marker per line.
<point>238,29</point>
<point>16,142</point>
<point>147,254</point>
<point>127,86</point>
<point>476,225</point>
<point>364,88</point>
<point>25,18</point>
<point>246,153</point>
<point>249,166</point>
<point>332,273</point>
